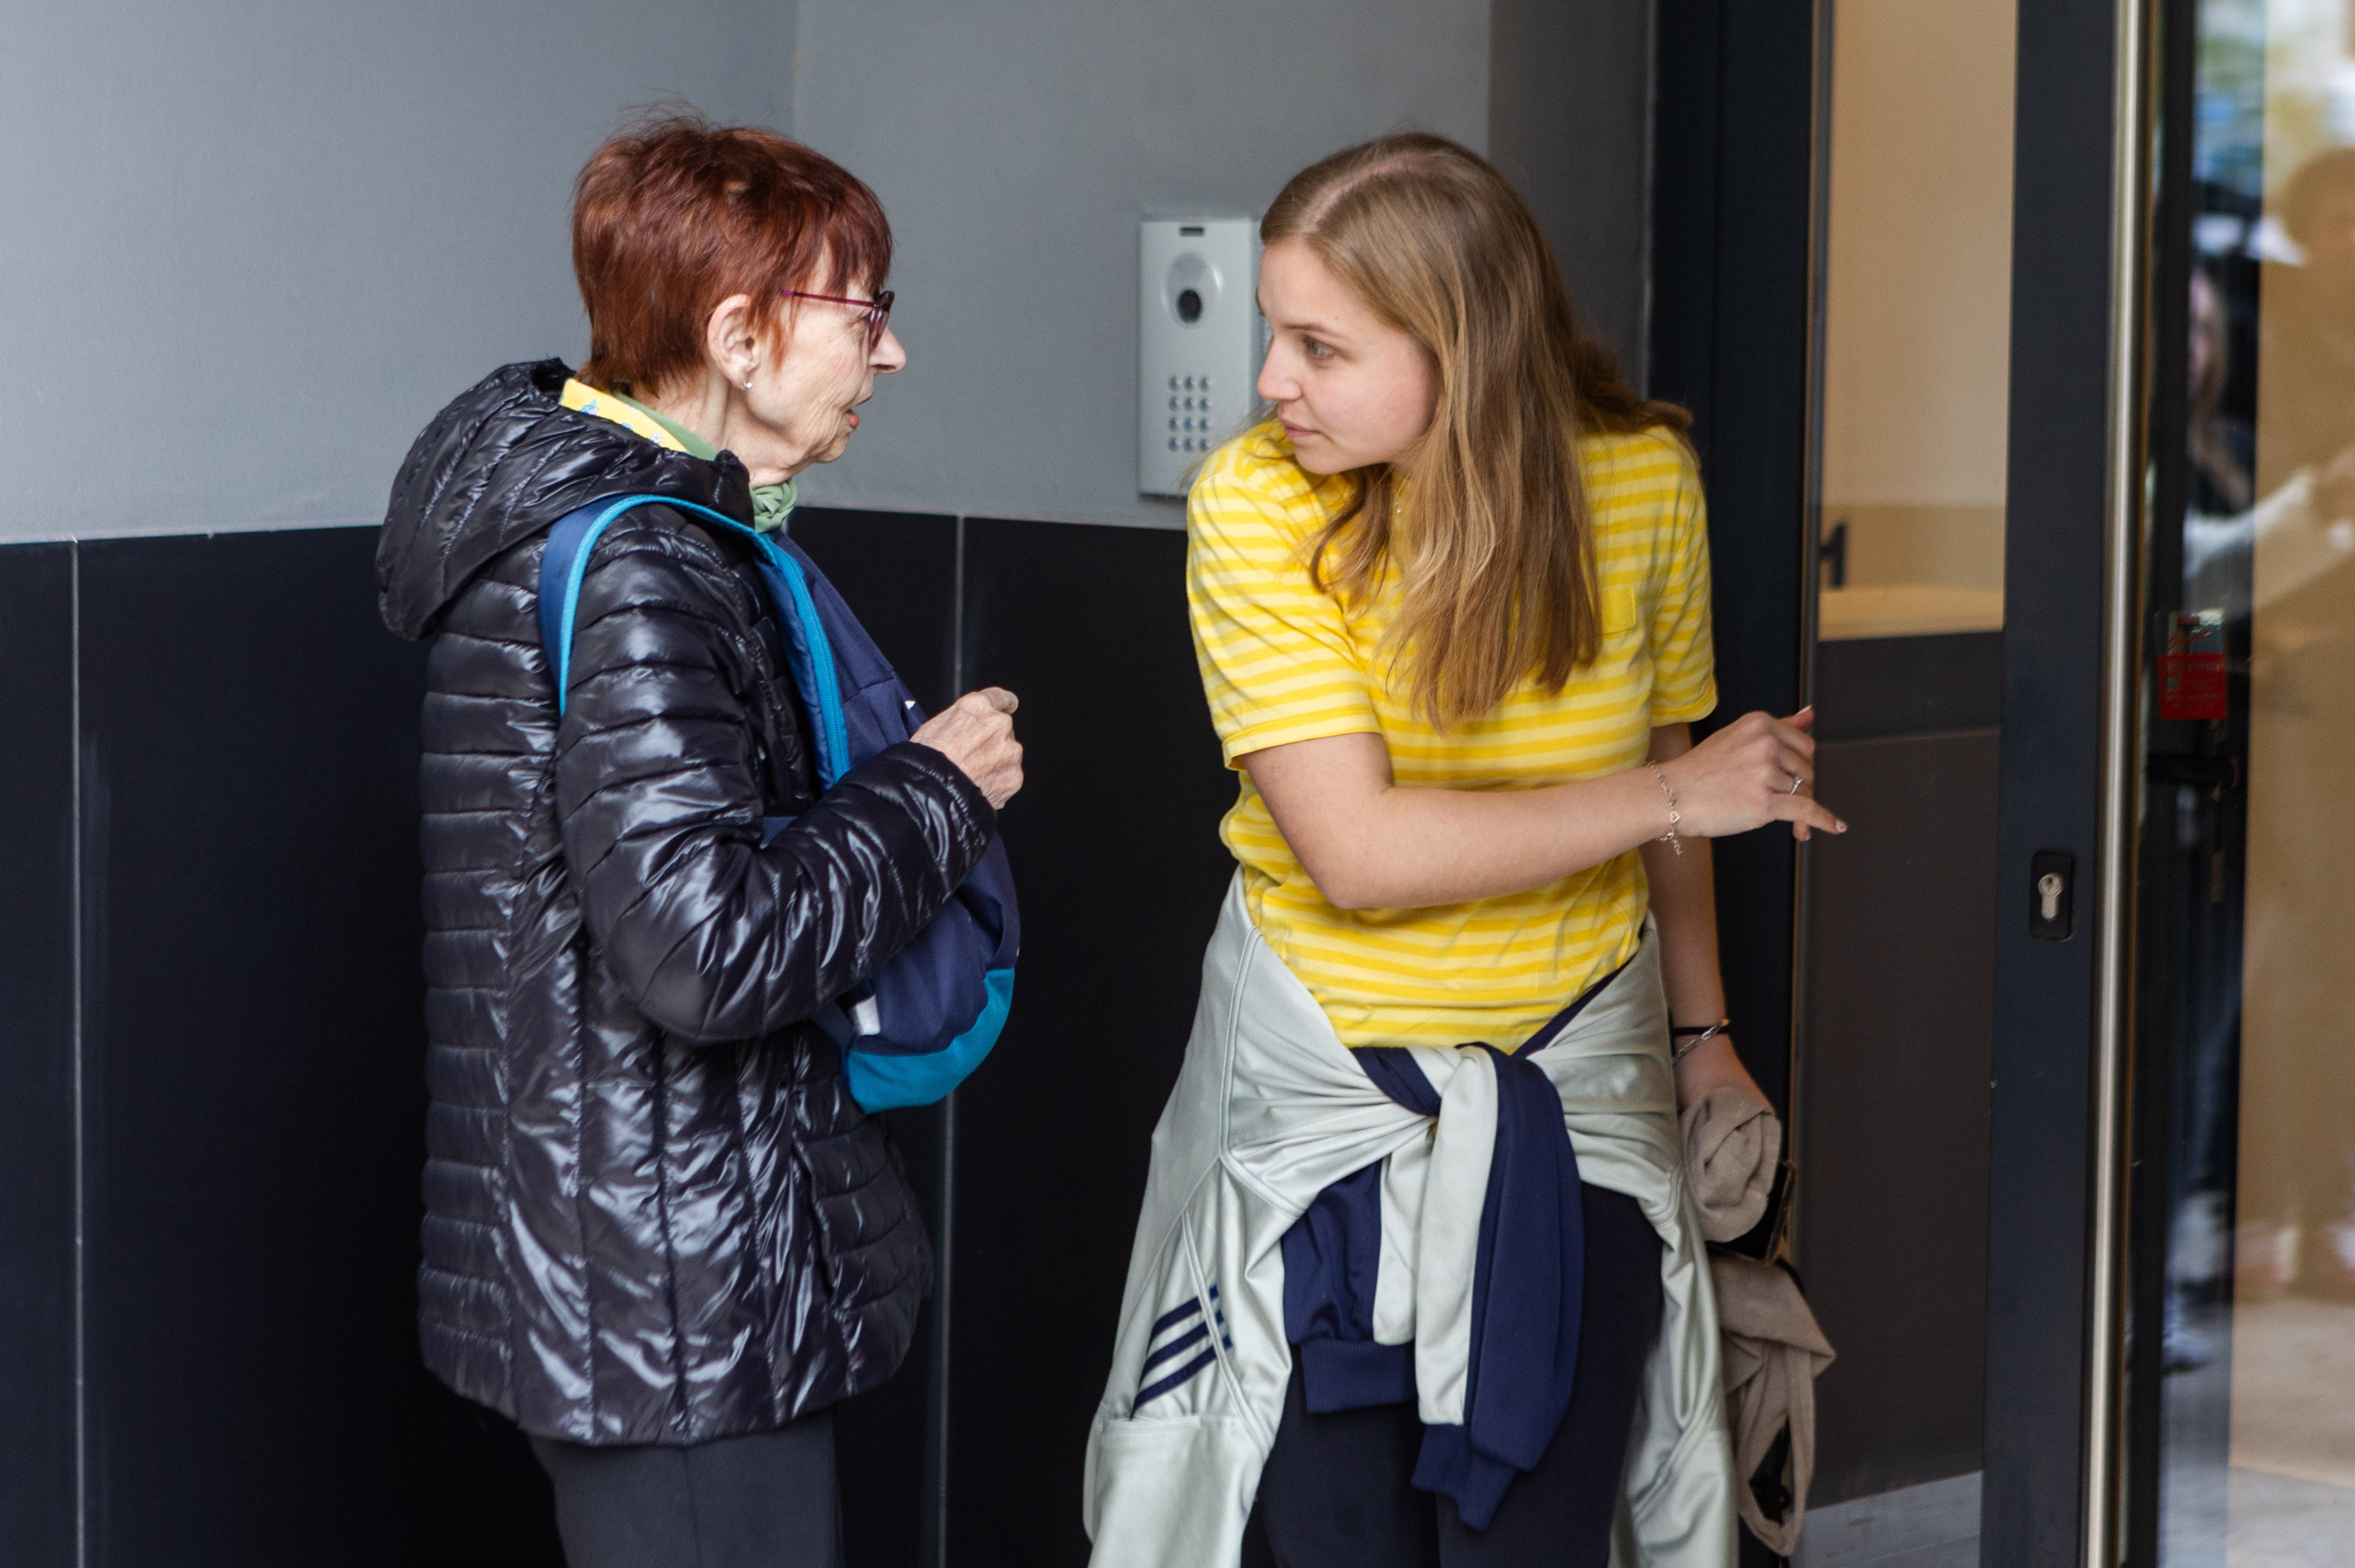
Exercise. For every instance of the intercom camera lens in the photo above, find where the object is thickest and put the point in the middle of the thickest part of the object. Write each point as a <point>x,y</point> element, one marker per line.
<point>1189,306</point>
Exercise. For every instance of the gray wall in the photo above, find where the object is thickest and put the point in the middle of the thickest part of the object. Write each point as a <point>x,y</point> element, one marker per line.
<point>1570,123</point>
<point>254,245</point>
<point>1019,146</point>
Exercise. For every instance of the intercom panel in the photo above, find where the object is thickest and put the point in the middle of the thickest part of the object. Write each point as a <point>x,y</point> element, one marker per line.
<point>1198,343</point>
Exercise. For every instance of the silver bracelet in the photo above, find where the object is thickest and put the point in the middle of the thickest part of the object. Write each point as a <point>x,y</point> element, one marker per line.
<point>1712,1033</point>
<point>1675,817</point>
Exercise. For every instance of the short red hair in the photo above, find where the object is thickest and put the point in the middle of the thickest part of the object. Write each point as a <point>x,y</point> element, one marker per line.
<point>675,214</point>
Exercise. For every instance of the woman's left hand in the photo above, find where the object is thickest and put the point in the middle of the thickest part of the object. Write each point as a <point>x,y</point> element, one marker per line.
<point>1711,1065</point>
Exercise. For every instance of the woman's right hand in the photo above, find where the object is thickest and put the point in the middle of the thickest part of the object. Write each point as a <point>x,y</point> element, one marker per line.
<point>977,733</point>
<point>1758,769</point>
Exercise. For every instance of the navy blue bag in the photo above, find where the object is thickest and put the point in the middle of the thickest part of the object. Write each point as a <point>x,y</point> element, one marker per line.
<point>915,1030</point>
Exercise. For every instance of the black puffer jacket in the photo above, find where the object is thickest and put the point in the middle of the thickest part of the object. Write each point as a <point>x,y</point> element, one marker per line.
<point>653,1212</point>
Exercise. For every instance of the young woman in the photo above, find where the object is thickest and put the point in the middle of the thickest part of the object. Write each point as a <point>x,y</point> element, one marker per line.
<point>1402,1300</point>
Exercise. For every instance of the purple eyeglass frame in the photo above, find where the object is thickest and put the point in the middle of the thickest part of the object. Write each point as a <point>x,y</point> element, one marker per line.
<point>879,309</point>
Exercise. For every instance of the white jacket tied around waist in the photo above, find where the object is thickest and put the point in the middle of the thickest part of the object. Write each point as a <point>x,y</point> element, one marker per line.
<point>1269,1110</point>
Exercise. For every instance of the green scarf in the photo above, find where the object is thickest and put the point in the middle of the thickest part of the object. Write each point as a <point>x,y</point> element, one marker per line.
<point>771,504</point>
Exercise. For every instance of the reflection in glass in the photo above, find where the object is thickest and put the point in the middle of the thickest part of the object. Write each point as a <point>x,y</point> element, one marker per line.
<point>1917,319</point>
<point>2249,907</point>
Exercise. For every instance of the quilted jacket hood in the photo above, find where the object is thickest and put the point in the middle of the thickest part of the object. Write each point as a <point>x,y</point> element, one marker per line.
<point>503,463</point>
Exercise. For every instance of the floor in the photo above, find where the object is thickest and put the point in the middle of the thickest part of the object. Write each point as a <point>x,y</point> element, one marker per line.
<point>2287,1499</point>
<point>2262,1470</point>
<point>1935,1525</point>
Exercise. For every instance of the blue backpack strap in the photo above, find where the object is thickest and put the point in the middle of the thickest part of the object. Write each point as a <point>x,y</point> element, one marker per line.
<point>565,562</point>
<point>562,562</point>
<point>816,673</point>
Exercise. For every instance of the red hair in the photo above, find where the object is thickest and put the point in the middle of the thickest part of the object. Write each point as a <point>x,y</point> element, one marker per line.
<point>675,214</point>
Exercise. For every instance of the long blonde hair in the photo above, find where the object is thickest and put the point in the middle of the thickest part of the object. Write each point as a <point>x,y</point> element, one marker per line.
<point>1489,532</point>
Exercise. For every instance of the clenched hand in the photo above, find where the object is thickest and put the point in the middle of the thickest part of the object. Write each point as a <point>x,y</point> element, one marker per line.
<point>977,733</point>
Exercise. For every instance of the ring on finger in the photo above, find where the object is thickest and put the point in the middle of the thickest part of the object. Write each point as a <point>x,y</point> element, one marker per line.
<point>1797,783</point>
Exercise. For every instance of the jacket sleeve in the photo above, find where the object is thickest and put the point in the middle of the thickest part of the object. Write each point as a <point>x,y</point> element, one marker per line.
<point>658,795</point>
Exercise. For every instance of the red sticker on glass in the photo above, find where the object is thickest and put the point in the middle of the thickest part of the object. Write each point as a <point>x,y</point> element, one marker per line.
<point>2192,670</point>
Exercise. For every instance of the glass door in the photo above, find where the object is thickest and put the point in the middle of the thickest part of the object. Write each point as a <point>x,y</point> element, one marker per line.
<point>2073,1079</point>
<point>2242,1347</point>
<point>1914,197</point>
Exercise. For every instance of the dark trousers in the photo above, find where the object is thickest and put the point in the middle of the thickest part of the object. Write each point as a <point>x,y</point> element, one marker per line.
<point>763,1501</point>
<point>1334,1493</point>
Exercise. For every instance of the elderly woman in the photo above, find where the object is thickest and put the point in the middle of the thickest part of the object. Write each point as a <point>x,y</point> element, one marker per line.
<point>660,1234</point>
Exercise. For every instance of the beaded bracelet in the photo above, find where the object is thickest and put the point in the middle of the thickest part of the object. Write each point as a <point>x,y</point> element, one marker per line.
<point>1675,817</point>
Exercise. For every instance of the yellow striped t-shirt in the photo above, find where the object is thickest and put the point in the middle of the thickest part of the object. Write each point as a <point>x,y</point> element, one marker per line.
<point>1284,662</point>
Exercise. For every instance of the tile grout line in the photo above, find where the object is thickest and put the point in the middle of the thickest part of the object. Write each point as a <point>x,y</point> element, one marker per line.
<point>956,615</point>
<point>80,1246</point>
<point>1651,168</point>
<point>944,1297</point>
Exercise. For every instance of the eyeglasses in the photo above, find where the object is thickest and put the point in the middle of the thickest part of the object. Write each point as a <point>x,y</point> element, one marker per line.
<point>878,310</point>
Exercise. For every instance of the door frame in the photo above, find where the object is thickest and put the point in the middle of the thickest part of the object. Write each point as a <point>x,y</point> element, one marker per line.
<point>2072,658</point>
<point>1736,112</point>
